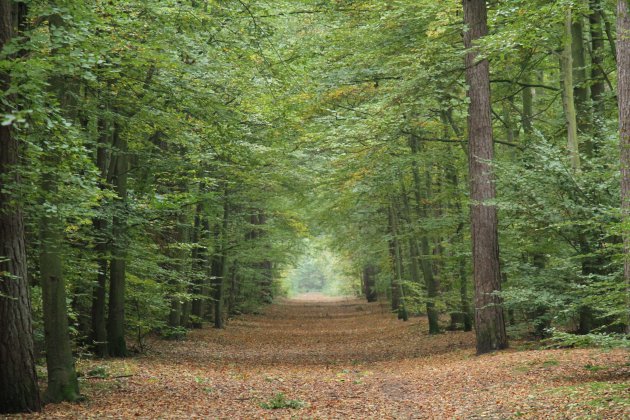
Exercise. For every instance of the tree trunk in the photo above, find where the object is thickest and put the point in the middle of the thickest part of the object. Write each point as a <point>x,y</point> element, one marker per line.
<point>584,110</point>
<point>527,98</point>
<point>18,381</point>
<point>398,298</point>
<point>219,266</point>
<point>426,263</point>
<point>489,323</point>
<point>199,263</point>
<point>598,86</point>
<point>117,345</point>
<point>623,95</point>
<point>99,293</point>
<point>393,285</point>
<point>62,377</point>
<point>369,283</point>
<point>568,93</point>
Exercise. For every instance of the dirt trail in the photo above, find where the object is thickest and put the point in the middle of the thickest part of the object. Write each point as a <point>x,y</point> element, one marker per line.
<point>348,359</point>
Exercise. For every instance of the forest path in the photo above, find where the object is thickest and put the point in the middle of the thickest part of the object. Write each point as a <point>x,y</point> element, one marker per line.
<point>344,358</point>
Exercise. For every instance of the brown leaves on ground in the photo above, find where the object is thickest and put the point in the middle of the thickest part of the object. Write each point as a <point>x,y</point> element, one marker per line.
<point>349,359</point>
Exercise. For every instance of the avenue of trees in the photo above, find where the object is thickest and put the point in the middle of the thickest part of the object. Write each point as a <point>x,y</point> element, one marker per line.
<point>162,161</point>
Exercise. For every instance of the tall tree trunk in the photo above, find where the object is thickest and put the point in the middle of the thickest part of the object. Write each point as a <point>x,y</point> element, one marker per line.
<point>18,381</point>
<point>117,345</point>
<point>177,316</point>
<point>527,98</point>
<point>598,86</point>
<point>489,322</point>
<point>568,92</point>
<point>584,110</point>
<point>99,293</point>
<point>398,298</point>
<point>62,378</point>
<point>426,263</point>
<point>219,266</point>
<point>199,263</point>
<point>623,95</point>
<point>414,260</point>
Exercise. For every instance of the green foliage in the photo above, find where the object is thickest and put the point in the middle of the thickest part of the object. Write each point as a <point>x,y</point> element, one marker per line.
<point>146,308</point>
<point>561,339</point>
<point>280,401</point>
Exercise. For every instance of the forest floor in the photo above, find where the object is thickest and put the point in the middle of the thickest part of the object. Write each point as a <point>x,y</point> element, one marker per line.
<point>342,358</point>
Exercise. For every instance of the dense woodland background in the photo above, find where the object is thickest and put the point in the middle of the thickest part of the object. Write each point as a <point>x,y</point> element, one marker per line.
<point>164,162</point>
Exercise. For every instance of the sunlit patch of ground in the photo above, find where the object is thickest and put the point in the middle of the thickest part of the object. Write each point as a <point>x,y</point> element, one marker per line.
<point>349,359</point>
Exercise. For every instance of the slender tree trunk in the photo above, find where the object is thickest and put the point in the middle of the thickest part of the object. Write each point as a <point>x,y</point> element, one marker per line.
<point>199,263</point>
<point>527,98</point>
<point>18,381</point>
<point>99,293</point>
<point>609,35</point>
<point>568,92</point>
<point>177,316</point>
<point>623,95</point>
<point>426,263</point>
<point>598,86</point>
<point>398,300</point>
<point>584,110</point>
<point>489,322</point>
<point>414,260</point>
<point>117,345</point>
<point>219,266</point>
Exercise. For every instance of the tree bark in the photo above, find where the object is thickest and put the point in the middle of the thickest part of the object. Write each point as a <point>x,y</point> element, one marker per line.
<point>584,109</point>
<point>568,92</point>
<point>62,378</point>
<point>489,322</point>
<point>426,264</point>
<point>623,95</point>
<point>369,283</point>
<point>598,86</point>
<point>99,292</point>
<point>18,381</point>
<point>398,298</point>
<point>117,345</point>
<point>219,266</point>
<point>200,267</point>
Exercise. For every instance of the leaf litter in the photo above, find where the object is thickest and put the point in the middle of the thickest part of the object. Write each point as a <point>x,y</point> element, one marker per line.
<point>344,358</point>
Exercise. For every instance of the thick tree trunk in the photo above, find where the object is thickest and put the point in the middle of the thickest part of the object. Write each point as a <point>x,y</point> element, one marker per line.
<point>62,377</point>
<point>18,381</point>
<point>623,95</point>
<point>489,323</point>
<point>117,345</point>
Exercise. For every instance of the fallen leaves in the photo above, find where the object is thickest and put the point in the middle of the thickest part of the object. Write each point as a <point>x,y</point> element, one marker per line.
<point>349,359</point>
